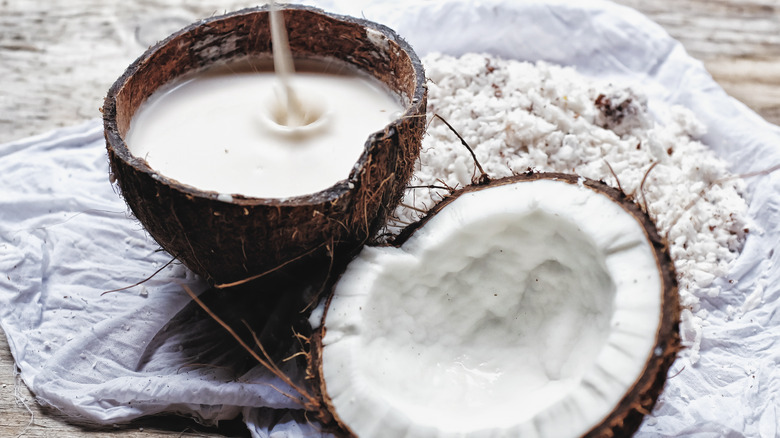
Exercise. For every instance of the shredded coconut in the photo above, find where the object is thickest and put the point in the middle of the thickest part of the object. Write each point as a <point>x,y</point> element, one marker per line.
<point>518,116</point>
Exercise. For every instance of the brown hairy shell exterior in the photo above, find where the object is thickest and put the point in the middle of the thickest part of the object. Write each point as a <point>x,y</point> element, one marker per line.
<point>639,400</point>
<point>230,241</point>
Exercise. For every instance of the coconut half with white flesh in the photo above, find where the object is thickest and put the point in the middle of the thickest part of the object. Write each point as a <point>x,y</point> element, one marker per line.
<point>541,305</point>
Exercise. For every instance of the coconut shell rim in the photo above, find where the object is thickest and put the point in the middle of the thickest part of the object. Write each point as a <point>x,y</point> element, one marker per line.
<point>638,400</point>
<point>115,142</point>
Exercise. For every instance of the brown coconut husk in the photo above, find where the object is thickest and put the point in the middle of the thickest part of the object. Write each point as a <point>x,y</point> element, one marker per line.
<point>228,242</point>
<point>638,401</point>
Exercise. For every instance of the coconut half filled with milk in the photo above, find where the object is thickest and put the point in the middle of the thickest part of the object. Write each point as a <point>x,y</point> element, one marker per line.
<point>542,305</point>
<point>236,197</point>
<point>223,129</point>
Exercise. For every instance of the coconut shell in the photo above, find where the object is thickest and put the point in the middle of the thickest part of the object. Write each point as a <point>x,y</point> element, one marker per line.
<point>639,400</point>
<point>230,241</point>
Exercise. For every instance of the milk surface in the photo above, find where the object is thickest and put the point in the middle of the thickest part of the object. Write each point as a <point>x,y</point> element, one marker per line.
<point>220,130</point>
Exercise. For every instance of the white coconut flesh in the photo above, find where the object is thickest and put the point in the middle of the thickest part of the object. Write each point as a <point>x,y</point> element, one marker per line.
<point>526,309</point>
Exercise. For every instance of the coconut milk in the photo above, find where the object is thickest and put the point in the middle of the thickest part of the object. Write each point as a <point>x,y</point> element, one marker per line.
<point>224,130</point>
<point>291,108</point>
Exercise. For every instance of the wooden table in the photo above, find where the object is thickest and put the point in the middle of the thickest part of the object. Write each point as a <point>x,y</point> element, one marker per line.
<point>58,59</point>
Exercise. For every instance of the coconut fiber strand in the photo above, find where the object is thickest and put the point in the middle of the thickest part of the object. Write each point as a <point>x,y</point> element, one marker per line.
<point>66,237</point>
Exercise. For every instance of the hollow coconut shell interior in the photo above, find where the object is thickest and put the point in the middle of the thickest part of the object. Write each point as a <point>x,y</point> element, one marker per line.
<point>230,240</point>
<point>541,305</point>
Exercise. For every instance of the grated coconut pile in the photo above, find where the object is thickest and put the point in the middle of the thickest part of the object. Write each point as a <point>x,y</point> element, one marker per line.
<point>518,116</point>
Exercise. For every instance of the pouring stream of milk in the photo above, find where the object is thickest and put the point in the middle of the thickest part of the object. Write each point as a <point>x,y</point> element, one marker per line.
<point>291,113</point>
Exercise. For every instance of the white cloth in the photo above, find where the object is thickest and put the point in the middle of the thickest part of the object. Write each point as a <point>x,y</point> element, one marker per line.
<point>66,236</point>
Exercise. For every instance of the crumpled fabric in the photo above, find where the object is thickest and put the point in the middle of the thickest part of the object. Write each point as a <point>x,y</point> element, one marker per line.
<point>66,236</point>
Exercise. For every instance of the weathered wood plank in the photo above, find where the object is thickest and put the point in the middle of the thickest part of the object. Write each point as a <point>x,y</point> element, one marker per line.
<point>737,40</point>
<point>56,64</point>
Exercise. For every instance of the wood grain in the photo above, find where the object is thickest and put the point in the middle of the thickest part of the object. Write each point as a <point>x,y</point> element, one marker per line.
<point>56,63</point>
<point>737,40</point>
